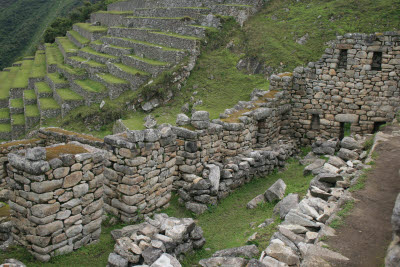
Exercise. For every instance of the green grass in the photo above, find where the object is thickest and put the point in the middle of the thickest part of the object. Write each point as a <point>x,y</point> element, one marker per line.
<point>228,224</point>
<point>4,113</point>
<point>68,94</point>
<point>130,70</point>
<point>339,221</point>
<point>18,119</point>
<point>91,63</point>
<point>91,86</point>
<point>53,55</point>
<point>147,44</point>
<point>56,78</point>
<point>90,50</point>
<point>94,255</point>
<point>43,87</point>
<point>272,33</point>
<point>17,103</point>
<point>67,45</point>
<point>48,103</point>
<point>71,70</point>
<point>6,79</point>
<point>39,65</point>
<point>149,61</point>
<point>29,94</point>
<point>5,128</point>
<point>220,86</point>
<point>178,36</point>
<point>32,111</point>
<point>116,12</point>
<point>109,78</point>
<point>21,79</point>
<point>88,27</point>
<point>79,37</point>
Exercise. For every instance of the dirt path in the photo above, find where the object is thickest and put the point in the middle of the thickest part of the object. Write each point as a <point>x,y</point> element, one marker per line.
<point>368,231</point>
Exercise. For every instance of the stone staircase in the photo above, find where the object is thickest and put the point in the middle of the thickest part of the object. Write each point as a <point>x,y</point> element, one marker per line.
<point>118,50</point>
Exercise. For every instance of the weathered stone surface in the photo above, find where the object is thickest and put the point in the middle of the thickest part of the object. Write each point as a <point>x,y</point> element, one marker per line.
<point>352,118</point>
<point>279,251</point>
<point>271,262</point>
<point>116,260</point>
<point>44,210</point>
<point>182,119</point>
<point>294,217</point>
<point>396,216</point>
<point>196,207</point>
<point>291,201</point>
<point>37,153</point>
<point>47,229</point>
<point>336,161</point>
<point>249,251</point>
<point>61,172</point>
<point>46,186</point>
<point>276,191</point>
<point>349,143</point>
<point>166,260</point>
<point>347,154</point>
<point>150,255</point>
<point>308,250</point>
<point>315,165</point>
<point>256,201</point>
<point>80,190</point>
<point>331,178</point>
<point>223,261</point>
<point>72,179</point>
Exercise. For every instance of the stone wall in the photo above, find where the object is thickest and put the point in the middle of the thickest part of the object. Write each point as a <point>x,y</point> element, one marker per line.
<point>356,81</point>
<point>56,204</point>
<point>393,255</point>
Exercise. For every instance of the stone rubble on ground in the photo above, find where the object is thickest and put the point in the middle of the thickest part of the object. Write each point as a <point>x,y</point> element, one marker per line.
<point>157,242</point>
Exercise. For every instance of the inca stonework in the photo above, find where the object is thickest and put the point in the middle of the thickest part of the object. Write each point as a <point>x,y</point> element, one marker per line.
<point>356,81</point>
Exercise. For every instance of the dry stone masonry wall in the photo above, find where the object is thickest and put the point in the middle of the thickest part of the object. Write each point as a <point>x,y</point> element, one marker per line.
<point>56,205</point>
<point>356,82</point>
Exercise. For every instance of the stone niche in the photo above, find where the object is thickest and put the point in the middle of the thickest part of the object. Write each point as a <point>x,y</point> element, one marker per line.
<point>56,198</point>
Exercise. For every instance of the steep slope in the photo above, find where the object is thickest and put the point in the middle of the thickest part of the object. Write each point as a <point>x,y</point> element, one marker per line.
<point>22,23</point>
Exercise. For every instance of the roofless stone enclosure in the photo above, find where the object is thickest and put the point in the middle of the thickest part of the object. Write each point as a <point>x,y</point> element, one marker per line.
<point>356,82</point>
<point>57,201</point>
<point>56,198</point>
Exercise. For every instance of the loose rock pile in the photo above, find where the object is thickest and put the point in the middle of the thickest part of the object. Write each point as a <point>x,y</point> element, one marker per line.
<point>298,239</point>
<point>155,242</point>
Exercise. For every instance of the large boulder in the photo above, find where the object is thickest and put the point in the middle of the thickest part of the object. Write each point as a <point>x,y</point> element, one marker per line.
<point>276,191</point>
<point>291,201</point>
<point>315,165</point>
<point>310,250</point>
<point>271,262</point>
<point>196,208</point>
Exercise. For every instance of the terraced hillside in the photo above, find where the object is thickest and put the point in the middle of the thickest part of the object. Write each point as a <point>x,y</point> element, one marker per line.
<point>120,50</point>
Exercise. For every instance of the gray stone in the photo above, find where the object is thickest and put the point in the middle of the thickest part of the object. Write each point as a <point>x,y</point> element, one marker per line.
<point>352,118</point>
<point>196,207</point>
<point>44,210</point>
<point>115,260</point>
<point>308,250</point>
<point>336,161</point>
<point>80,190</point>
<point>393,256</point>
<point>182,119</point>
<point>350,143</point>
<point>72,179</point>
<point>150,255</point>
<point>214,176</point>
<point>295,217</point>
<point>331,178</point>
<point>61,172</point>
<point>46,186</point>
<point>291,201</point>
<point>245,252</point>
<point>197,233</point>
<point>317,192</point>
<point>279,251</point>
<point>276,191</point>
<point>255,263</point>
<point>166,260</point>
<point>13,263</point>
<point>347,154</point>
<point>252,204</point>
<point>396,216</point>
<point>314,261</point>
<point>201,116</point>
<point>271,262</point>
<point>315,165</point>
<point>150,122</point>
<point>262,113</point>
<point>223,262</point>
<point>152,135</point>
<point>47,229</point>
<point>135,136</point>
<point>35,154</point>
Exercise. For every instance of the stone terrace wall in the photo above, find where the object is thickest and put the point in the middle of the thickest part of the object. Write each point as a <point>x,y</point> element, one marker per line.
<point>356,81</point>
<point>203,160</point>
<point>57,135</point>
<point>57,205</point>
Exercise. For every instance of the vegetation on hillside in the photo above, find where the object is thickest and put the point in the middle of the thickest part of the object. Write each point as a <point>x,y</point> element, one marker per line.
<point>22,23</point>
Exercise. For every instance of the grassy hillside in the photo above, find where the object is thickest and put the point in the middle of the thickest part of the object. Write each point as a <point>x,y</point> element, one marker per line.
<point>22,23</point>
<point>270,36</point>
